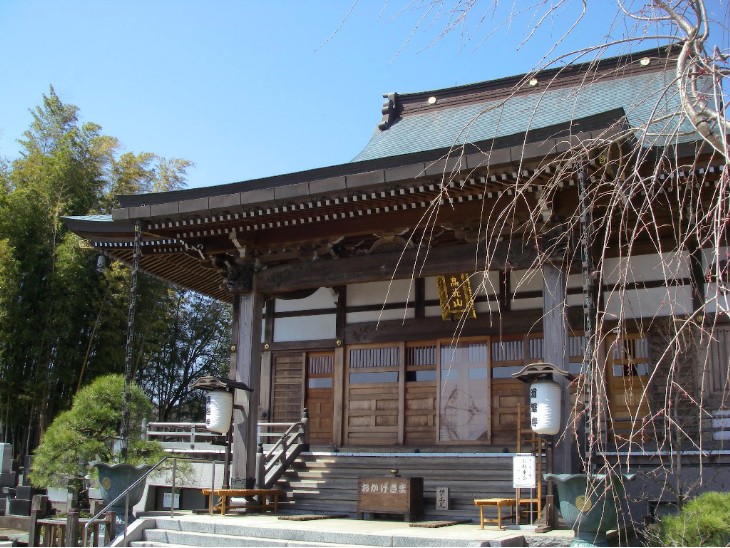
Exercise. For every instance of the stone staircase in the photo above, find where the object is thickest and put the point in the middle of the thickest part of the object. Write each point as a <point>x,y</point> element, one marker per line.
<point>326,482</point>
<point>258,530</point>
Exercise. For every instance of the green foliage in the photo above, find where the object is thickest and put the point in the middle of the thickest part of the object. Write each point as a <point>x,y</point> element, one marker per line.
<point>62,323</point>
<point>87,431</point>
<point>703,521</point>
<point>188,337</point>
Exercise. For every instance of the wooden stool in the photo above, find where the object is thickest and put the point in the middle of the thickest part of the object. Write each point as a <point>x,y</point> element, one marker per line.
<point>528,506</point>
<point>499,503</point>
<point>225,494</point>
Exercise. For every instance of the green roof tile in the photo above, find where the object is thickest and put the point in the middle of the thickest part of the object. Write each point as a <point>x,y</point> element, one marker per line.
<point>639,95</point>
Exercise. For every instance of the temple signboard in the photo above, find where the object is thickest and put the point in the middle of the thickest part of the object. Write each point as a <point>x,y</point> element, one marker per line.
<point>455,296</point>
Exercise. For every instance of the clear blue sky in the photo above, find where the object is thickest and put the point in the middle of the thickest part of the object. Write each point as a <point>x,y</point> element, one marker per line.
<point>243,89</point>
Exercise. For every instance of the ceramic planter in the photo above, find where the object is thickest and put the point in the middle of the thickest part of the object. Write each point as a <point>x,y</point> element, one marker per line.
<point>589,504</point>
<point>115,478</point>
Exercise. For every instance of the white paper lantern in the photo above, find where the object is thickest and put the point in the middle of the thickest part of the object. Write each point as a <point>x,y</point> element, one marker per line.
<point>218,410</point>
<point>545,407</point>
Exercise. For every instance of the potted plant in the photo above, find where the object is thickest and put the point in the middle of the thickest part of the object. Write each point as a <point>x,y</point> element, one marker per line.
<point>86,434</point>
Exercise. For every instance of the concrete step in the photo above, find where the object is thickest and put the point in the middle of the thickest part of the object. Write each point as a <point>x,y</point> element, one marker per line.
<point>270,531</point>
<point>166,537</point>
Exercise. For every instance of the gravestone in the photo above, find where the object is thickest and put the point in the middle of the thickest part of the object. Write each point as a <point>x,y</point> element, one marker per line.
<point>7,476</point>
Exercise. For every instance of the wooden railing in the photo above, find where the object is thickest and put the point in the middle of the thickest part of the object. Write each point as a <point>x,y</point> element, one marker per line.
<point>279,443</point>
<point>72,531</point>
<point>290,440</point>
<point>181,433</point>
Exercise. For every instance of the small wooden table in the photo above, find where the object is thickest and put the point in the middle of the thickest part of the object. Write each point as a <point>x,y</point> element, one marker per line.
<point>499,503</point>
<point>262,494</point>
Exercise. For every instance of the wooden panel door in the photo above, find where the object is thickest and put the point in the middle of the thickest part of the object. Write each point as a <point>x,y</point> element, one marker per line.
<point>372,395</point>
<point>287,387</point>
<point>508,394</point>
<point>465,413</point>
<point>628,369</point>
<point>320,374</point>
<point>420,394</point>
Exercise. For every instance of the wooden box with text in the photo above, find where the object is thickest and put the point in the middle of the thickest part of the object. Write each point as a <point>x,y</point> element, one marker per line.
<point>390,495</point>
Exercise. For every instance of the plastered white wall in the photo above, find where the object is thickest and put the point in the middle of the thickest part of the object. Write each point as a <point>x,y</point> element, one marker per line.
<point>323,298</point>
<point>305,328</point>
<point>717,296</point>
<point>376,294</point>
<point>309,327</point>
<point>575,281</point>
<point>522,281</point>
<point>648,303</point>
<point>646,268</point>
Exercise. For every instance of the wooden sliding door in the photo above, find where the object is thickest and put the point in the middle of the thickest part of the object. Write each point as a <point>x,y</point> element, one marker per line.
<point>421,389</point>
<point>464,392</point>
<point>319,392</point>
<point>372,395</point>
<point>628,369</point>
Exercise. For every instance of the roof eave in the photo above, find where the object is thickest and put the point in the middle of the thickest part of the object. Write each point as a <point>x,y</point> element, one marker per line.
<point>536,145</point>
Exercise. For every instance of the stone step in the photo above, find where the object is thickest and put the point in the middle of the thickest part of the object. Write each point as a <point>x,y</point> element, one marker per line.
<point>269,531</point>
<point>167,537</point>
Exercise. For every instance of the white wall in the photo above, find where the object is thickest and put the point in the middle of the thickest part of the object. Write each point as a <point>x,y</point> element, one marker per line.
<point>522,281</point>
<point>648,303</point>
<point>323,298</point>
<point>717,295</point>
<point>658,301</point>
<point>376,294</point>
<point>309,327</point>
<point>645,268</point>
<point>575,281</point>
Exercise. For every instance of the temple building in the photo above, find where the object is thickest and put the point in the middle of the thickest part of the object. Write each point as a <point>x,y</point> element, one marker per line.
<point>395,296</point>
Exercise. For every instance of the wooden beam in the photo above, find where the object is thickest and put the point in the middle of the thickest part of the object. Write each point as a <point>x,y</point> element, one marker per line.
<point>420,298</point>
<point>378,267</point>
<point>522,321</point>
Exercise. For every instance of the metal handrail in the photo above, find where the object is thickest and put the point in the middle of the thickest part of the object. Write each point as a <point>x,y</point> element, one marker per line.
<point>144,476</point>
<point>124,493</point>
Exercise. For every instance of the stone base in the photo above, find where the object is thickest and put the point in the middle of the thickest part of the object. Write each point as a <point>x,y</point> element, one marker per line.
<point>18,507</point>
<point>8,479</point>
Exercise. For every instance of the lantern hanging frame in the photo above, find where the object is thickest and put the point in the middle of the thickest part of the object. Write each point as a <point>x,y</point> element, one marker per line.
<point>221,384</point>
<point>540,370</point>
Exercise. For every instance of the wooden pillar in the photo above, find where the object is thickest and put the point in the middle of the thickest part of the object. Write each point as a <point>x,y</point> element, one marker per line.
<point>72,527</point>
<point>338,395</point>
<point>245,366</point>
<point>555,333</point>
<point>338,380</point>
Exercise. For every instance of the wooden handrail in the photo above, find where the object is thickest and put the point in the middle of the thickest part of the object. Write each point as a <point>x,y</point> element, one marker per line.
<point>272,463</point>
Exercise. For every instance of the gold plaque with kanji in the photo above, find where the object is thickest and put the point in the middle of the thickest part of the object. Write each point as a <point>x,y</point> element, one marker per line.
<point>455,296</point>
